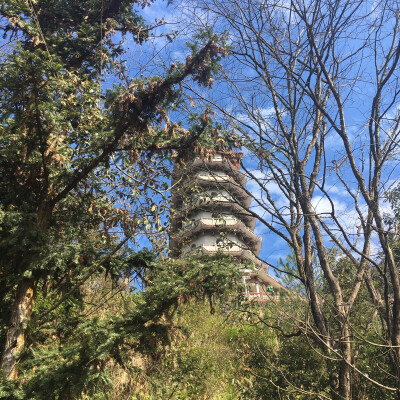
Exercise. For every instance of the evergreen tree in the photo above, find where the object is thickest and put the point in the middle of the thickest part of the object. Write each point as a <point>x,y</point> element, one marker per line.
<point>74,354</point>
<point>78,163</point>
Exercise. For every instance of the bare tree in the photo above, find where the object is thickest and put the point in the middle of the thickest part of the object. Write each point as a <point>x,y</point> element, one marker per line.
<point>312,89</point>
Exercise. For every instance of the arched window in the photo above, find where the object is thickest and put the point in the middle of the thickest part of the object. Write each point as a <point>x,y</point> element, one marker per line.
<point>220,242</point>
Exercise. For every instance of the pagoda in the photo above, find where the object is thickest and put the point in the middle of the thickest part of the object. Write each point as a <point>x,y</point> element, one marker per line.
<point>211,215</point>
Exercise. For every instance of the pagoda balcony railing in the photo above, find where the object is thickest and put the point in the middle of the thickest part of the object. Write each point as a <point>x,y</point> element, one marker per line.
<point>214,177</point>
<point>223,199</point>
<point>227,198</point>
<point>205,201</point>
<point>230,221</point>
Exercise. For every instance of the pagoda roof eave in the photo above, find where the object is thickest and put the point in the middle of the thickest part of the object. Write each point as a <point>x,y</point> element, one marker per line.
<point>212,165</point>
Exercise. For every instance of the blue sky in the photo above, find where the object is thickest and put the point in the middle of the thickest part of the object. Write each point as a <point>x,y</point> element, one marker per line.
<point>153,57</point>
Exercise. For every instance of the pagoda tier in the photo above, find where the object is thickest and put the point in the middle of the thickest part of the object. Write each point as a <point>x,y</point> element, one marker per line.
<point>217,163</point>
<point>219,205</point>
<point>240,254</point>
<point>204,224</point>
<point>206,182</point>
<point>218,208</point>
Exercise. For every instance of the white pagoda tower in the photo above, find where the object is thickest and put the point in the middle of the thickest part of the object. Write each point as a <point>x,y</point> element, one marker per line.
<point>212,215</point>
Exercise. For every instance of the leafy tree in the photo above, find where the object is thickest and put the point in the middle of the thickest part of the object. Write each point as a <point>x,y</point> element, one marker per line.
<point>79,165</point>
<point>73,354</point>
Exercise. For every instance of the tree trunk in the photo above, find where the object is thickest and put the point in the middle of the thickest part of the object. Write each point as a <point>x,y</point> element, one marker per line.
<point>15,339</point>
<point>23,304</point>
<point>345,365</point>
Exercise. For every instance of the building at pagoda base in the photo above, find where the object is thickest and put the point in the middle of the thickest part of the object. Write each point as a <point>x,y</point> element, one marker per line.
<point>211,215</point>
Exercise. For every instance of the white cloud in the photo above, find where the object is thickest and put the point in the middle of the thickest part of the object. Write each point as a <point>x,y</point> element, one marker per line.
<point>322,205</point>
